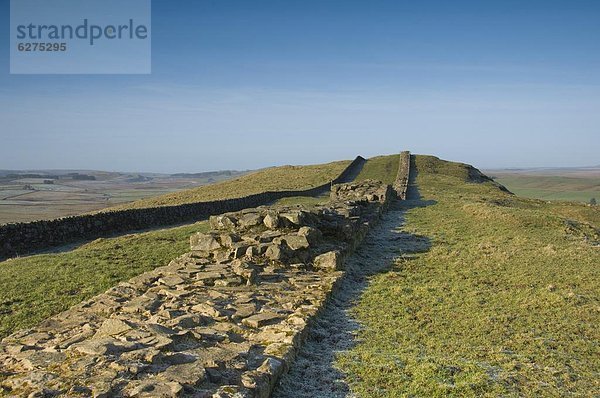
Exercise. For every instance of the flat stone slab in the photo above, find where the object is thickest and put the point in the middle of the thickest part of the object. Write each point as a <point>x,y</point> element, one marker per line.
<point>261,319</point>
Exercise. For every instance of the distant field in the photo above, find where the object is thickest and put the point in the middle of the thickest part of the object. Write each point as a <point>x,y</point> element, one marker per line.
<point>273,179</point>
<point>30,199</point>
<point>578,185</point>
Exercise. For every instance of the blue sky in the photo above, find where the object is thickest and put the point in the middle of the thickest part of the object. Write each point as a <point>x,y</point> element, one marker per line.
<point>247,84</point>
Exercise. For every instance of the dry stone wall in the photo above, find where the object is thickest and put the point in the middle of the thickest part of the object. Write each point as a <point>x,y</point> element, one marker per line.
<point>401,183</point>
<point>224,320</point>
<point>24,238</point>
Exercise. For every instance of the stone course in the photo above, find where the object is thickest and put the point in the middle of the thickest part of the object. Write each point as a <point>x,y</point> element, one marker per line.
<point>223,320</point>
<point>24,238</point>
<point>401,183</point>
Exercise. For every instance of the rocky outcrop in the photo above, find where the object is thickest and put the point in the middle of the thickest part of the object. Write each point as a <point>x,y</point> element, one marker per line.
<point>24,238</point>
<point>223,320</point>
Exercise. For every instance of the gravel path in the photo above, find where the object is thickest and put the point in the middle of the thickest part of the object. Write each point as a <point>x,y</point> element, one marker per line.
<point>314,374</point>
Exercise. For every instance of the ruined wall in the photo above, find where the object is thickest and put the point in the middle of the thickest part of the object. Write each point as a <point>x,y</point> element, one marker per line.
<point>224,320</point>
<point>23,238</point>
<point>401,183</point>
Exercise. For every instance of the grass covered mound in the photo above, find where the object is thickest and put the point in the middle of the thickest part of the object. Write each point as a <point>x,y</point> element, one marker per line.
<point>381,168</point>
<point>284,178</point>
<point>505,303</point>
<point>36,287</point>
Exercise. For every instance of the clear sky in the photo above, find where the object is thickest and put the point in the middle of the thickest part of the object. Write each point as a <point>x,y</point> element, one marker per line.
<point>246,84</point>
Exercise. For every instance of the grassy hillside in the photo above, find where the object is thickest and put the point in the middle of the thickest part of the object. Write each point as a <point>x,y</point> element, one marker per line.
<point>505,303</point>
<point>578,189</point>
<point>36,287</point>
<point>382,168</point>
<point>273,179</point>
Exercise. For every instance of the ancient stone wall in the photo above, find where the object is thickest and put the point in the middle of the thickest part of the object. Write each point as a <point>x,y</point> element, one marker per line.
<point>224,320</point>
<point>401,183</point>
<point>23,238</point>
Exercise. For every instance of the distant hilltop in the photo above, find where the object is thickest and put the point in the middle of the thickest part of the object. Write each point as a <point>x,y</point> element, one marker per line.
<point>209,174</point>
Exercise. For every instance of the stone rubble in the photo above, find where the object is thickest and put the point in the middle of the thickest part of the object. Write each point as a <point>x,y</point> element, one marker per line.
<point>223,320</point>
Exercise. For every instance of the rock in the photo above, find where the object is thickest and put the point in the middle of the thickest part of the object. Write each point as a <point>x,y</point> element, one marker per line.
<point>35,338</point>
<point>230,281</point>
<point>261,319</point>
<point>243,311</point>
<point>239,249</point>
<point>227,240</point>
<point>278,349</point>
<point>272,367</point>
<point>208,278</point>
<point>160,329</point>
<point>268,236</point>
<point>312,234</point>
<point>233,391</point>
<point>331,260</point>
<point>157,341</point>
<point>13,349</point>
<point>156,389</point>
<point>296,217</point>
<point>141,304</point>
<point>246,271</point>
<point>252,251</point>
<point>106,346</point>
<point>175,293</point>
<point>207,309</point>
<point>187,321</point>
<point>222,256</point>
<point>171,280</point>
<point>42,359</point>
<point>112,327</point>
<point>296,242</point>
<point>204,242</point>
<point>148,355</point>
<point>270,334</point>
<point>188,374</point>
<point>257,250</point>
<point>84,334</point>
<point>272,221</point>
<point>275,252</point>
<point>250,220</point>
<point>264,378</point>
<point>221,222</point>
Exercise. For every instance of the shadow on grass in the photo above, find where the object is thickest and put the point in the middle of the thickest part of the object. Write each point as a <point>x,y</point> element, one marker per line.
<point>314,373</point>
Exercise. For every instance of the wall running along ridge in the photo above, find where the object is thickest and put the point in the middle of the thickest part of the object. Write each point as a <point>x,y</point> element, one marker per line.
<point>401,183</point>
<point>224,320</point>
<point>24,238</point>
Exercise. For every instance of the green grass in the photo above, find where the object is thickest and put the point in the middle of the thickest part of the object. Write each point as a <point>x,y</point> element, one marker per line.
<point>505,303</point>
<point>381,168</point>
<point>36,287</point>
<point>282,178</point>
<point>578,189</point>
